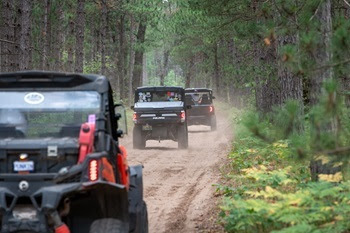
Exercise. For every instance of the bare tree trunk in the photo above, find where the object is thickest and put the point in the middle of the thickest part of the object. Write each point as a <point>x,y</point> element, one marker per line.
<point>131,59</point>
<point>46,35</point>
<point>138,67</point>
<point>345,77</point>
<point>17,36</point>
<point>57,38</point>
<point>7,32</point>
<point>189,72</point>
<point>79,35</point>
<point>291,85</point>
<point>121,57</point>
<point>144,70</point>
<point>216,70</point>
<point>164,67</point>
<point>60,37</point>
<point>26,7</point>
<point>70,47</point>
<point>322,55</point>
<point>103,36</point>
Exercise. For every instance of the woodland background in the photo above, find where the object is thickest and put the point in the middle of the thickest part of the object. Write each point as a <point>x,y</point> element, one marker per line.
<point>280,66</point>
<point>249,51</point>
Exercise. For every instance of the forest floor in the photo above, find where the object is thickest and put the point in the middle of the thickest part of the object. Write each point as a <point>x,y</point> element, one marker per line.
<point>178,184</point>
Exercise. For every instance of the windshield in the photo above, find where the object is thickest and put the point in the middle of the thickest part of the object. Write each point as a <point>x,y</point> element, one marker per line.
<point>198,98</point>
<point>46,114</point>
<point>159,96</point>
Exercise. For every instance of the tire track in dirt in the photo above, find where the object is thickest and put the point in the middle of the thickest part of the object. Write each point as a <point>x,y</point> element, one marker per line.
<point>178,183</point>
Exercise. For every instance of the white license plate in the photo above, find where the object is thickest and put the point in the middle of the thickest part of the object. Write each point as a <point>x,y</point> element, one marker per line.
<point>23,166</point>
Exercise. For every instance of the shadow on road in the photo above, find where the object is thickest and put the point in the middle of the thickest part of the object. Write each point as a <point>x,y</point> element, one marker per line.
<point>160,148</point>
<point>200,131</point>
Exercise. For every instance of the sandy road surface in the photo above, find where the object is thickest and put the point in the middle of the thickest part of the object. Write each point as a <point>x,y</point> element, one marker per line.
<point>178,183</point>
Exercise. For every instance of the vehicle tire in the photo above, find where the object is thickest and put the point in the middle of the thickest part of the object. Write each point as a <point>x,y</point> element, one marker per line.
<point>108,225</point>
<point>182,137</point>
<point>213,123</point>
<point>139,141</point>
<point>144,218</point>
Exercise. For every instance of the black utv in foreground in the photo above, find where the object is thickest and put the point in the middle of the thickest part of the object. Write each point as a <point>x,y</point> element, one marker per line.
<point>61,166</point>
<point>160,114</point>
<point>202,111</point>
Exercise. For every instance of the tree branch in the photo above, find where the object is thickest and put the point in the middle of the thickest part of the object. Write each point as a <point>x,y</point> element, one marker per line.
<point>7,41</point>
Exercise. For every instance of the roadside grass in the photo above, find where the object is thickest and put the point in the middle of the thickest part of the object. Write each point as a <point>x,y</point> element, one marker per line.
<point>266,188</point>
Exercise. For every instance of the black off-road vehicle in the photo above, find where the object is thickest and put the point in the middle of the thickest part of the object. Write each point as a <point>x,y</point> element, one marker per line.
<point>61,166</point>
<point>160,114</point>
<point>202,111</point>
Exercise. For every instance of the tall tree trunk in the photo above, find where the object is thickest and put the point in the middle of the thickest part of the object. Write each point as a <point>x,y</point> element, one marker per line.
<point>291,86</point>
<point>26,7</point>
<point>79,35</point>
<point>60,37</point>
<point>138,67</point>
<point>131,59</point>
<point>164,67</point>
<point>345,76</point>
<point>322,55</point>
<point>267,93</point>
<point>7,33</point>
<point>57,37</point>
<point>103,36</point>
<point>70,47</point>
<point>121,57</point>
<point>216,70</point>
<point>17,36</point>
<point>46,35</point>
<point>189,72</point>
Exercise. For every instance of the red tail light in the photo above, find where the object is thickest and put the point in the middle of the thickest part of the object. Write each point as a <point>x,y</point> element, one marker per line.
<point>93,170</point>
<point>134,117</point>
<point>183,116</point>
<point>211,109</point>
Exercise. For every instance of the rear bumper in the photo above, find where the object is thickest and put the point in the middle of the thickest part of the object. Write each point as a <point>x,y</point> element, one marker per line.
<point>46,200</point>
<point>199,120</point>
<point>158,121</point>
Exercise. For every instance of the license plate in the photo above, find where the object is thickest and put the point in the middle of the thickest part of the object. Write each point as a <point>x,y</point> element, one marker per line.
<point>23,166</point>
<point>146,127</point>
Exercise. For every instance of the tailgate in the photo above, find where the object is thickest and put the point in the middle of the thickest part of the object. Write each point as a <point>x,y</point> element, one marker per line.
<point>199,110</point>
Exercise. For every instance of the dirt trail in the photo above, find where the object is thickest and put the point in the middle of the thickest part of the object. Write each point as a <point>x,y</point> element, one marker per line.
<point>178,183</point>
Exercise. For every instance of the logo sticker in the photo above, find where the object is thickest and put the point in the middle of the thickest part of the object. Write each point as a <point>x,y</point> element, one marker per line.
<point>34,98</point>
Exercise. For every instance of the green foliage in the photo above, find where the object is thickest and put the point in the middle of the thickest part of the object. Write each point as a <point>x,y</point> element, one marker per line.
<point>269,189</point>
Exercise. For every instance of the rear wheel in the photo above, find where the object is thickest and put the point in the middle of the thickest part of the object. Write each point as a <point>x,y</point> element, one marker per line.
<point>139,141</point>
<point>144,218</point>
<point>213,123</point>
<point>182,137</point>
<point>108,225</point>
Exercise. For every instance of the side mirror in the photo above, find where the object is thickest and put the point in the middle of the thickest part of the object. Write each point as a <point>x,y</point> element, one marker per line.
<point>120,116</point>
<point>132,107</point>
<point>213,97</point>
<point>188,106</point>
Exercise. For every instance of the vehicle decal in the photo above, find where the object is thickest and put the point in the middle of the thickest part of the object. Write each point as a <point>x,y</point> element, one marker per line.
<point>34,98</point>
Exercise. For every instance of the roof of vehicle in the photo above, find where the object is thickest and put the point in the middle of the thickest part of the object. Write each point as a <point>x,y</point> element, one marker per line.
<point>159,88</point>
<point>53,81</point>
<point>197,89</point>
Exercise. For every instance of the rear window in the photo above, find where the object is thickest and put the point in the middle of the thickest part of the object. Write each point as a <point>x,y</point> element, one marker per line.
<point>198,98</point>
<point>158,96</point>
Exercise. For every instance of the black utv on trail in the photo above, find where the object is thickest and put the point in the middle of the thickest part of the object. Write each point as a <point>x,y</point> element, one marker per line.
<point>160,114</point>
<point>202,111</point>
<point>61,166</point>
